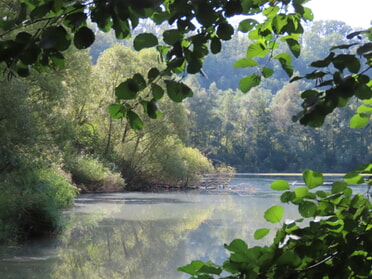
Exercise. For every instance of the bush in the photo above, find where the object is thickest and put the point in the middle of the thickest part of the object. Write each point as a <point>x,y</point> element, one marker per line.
<point>92,176</point>
<point>32,201</point>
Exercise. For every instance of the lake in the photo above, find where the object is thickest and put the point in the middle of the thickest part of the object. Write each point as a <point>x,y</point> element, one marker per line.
<point>149,235</point>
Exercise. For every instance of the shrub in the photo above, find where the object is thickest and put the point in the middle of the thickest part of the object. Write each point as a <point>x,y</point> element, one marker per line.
<point>91,175</point>
<point>32,201</point>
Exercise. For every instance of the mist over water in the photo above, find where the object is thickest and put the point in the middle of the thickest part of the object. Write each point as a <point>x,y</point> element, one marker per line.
<point>149,235</point>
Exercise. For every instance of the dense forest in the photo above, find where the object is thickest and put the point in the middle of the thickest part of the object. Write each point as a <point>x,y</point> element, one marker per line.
<point>254,132</point>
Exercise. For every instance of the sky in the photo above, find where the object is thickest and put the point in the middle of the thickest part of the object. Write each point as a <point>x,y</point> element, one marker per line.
<point>356,13</point>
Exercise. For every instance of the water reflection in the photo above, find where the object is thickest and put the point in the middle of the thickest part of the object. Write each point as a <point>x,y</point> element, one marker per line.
<point>145,235</point>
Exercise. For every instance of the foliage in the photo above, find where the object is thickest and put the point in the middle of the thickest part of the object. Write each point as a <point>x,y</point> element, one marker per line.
<point>91,175</point>
<point>331,239</point>
<point>342,75</point>
<point>58,26</point>
<point>31,202</point>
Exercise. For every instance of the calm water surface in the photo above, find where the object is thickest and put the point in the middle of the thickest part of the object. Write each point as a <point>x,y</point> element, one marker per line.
<point>148,235</point>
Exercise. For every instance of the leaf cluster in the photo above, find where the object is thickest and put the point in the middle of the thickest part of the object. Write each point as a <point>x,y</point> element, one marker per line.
<point>197,28</point>
<point>332,239</point>
<point>342,75</point>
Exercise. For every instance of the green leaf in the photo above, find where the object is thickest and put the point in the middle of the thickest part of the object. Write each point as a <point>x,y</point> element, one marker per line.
<point>280,185</point>
<point>366,48</point>
<point>307,209</point>
<point>157,92</point>
<point>237,246</point>
<point>294,46</point>
<point>210,268</point>
<point>349,61</point>
<point>338,187</point>
<point>289,258</point>
<point>256,50</point>
<point>245,62</point>
<point>40,11</point>
<point>364,109</point>
<point>140,81</point>
<point>151,109</point>
<point>177,91</point>
<point>247,25</point>
<point>135,121</point>
<point>55,37</point>
<point>261,233</point>
<point>127,90</point>
<point>274,214</point>
<point>216,45</point>
<point>57,59</point>
<point>172,36</point>
<point>248,82</point>
<point>267,72</point>
<point>84,38</point>
<point>117,111</point>
<point>312,179</point>
<point>323,63</point>
<point>145,40</point>
<point>75,20</point>
<point>225,31</point>
<point>192,268</point>
<point>153,74</point>
<point>363,92</point>
<point>359,120</point>
<point>285,61</point>
<point>353,178</point>
<point>287,197</point>
<point>301,192</point>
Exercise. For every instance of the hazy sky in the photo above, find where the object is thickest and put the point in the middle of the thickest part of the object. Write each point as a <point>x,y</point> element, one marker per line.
<point>359,14</point>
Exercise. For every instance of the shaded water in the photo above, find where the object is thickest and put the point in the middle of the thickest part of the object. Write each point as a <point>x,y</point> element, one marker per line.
<point>147,235</point>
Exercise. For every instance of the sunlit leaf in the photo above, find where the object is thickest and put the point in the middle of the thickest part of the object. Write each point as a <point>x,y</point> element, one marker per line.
<point>359,120</point>
<point>135,121</point>
<point>301,192</point>
<point>267,72</point>
<point>286,62</point>
<point>312,179</point>
<point>294,46</point>
<point>280,185</point>
<point>247,25</point>
<point>274,214</point>
<point>256,50</point>
<point>249,82</point>
<point>261,233</point>
<point>116,111</point>
<point>353,178</point>
<point>245,62</point>
<point>237,246</point>
<point>192,268</point>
